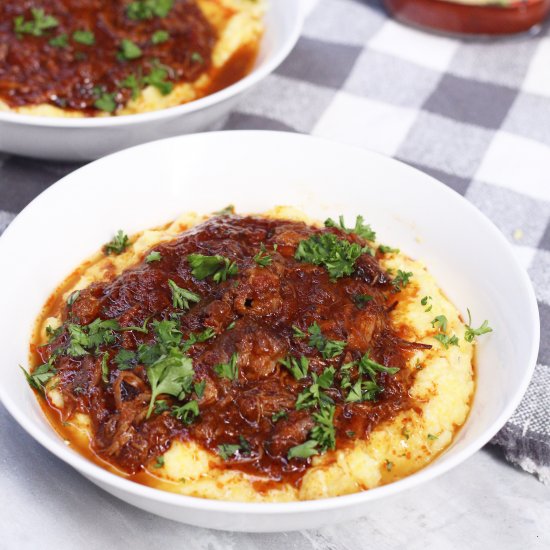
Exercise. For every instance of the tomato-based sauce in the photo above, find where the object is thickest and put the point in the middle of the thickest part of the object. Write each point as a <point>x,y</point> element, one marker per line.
<point>261,314</point>
<point>454,16</point>
<point>94,56</point>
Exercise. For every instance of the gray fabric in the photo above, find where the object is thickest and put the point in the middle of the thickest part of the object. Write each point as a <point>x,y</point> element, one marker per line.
<point>458,109</point>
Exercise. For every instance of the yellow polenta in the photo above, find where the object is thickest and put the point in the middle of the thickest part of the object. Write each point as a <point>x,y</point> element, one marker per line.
<point>239,23</point>
<point>442,389</point>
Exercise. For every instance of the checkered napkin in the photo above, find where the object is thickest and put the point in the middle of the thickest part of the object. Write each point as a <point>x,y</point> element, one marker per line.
<point>475,114</point>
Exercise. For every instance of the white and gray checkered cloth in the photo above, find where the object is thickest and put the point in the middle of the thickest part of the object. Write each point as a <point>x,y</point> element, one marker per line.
<point>473,113</point>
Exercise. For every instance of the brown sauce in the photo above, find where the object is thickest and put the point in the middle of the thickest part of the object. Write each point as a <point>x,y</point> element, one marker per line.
<point>50,66</point>
<point>252,314</point>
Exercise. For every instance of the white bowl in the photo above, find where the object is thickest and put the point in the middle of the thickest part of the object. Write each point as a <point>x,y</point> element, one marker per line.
<point>90,138</point>
<point>151,184</point>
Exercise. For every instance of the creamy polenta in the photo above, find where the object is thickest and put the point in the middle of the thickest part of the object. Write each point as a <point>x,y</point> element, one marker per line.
<point>439,368</point>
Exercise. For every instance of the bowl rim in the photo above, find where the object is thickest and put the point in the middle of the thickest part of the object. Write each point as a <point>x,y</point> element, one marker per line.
<point>433,470</point>
<point>258,73</point>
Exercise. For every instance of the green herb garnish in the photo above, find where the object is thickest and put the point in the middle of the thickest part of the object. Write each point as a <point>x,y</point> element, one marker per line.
<point>37,26</point>
<point>328,348</point>
<point>147,9</point>
<point>129,50</point>
<point>39,377</point>
<point>84,37</point>
<point>401,280</point>
<point>228,370</point>
<point>275,417</point>
<point>440,322</point>
<point>383,249</point>
<point>118,244</point>
<point>360,300</point>
<point>447,340</point>
<point>338,256</point>
<point>362,230</point>
<point>262,258</point>
<point>186,413</point>
<point>125,359</point>
<point>298,367</point>
<point>158,79</point>
<point>106,102</point>
<point>181,296</point>
<point>60,41</point>
<point>305,450</point>
<point>219,267</point>
<point>159,462</point>
<point>159,37</point>
<point>471,333</point>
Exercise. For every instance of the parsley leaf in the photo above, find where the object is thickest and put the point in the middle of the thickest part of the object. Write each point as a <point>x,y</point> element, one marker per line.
<point>199,387</point>
<point>227,450</point>
<point>328,348</point>
<point>424,302</point>
<point>196,57</point>
<point>154,256</point>
<point>324,432</point>
<point>147,9</point>
<point>159,37</point>
<point>219,267</point>
<point>134,85</point>
<point>37,26</point>
<point>275,417</point>
<point>298,367</point>
<point>73,297</point>
<point>362,230</point>
<point>447,340</point>
<point>129,50</point>
<point>383,249</point>
<point>106,102</point>
<point>105,372</point>
<point>158,79</point>
<point>83,339</point>
<point>125,359</point>
<point>181,296</point>
<point>39,377</point>
<point>440,322</point>
<point>159,462</point>
<point>471,333</point>
<point>305,450</point>
<point>360,300</point>
<point>161,405</point>
<point>167,332</point>
<point>60,41</point>
<point>84,37</point>
<point>228,370</point>
<point>118,244</point>
<point>298,332</point>
<point>171,374</point>
<point>197,337</point>
<point>401,280</point>
<point>262,258</point>
<point>186,413</point>
<point>338,256</point>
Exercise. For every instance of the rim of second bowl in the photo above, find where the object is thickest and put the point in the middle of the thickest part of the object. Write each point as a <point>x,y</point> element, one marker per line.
<point>435,469</point>
<point>257,74</point>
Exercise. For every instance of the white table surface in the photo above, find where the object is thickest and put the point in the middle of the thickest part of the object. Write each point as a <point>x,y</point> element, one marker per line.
<point>483,504</point>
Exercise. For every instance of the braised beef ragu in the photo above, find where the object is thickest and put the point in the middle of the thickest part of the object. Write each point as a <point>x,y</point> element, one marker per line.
<point>262,314</point>
<point>42,62</point>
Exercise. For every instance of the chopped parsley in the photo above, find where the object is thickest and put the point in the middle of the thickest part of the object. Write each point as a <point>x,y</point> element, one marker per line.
<point>132,83</point>
<point>219,267</point>
<point>361,229</point>
<point>87,38</point>
<point>338,256</point>
<point>181,296</point>
<point>471,333</point>
<point>197,337</point>
<point>129,50</point>
<point>158,79</point>
<point>298,367</point>
<point>199,387</point>
<point>118,244</point>
<point>154,256</point>
<point>313,396</point>
<point>360,300</point>
<point>40,376</point>
<point>324,432</point>
<point>125,359</point>
<point>186,413</point>
<point>305,450</point>
<point>59,41</point>
<point>228,370</point>
<point>106,102</point>
<point>389,465</point>
<point>328,348</point>
<point>37,26</point>
<point>432,437</point>
<point>440,322</point>
<point>262,258</point>
<point>298,333</point>
<point>424,302</point>
<point>227,211</point>
<point>447,340</point>
<point>401,280</point>
<point>86,338</point>
<point>196,57</point>
<point>159,37</point>
<point>227,450</point>
<point>73,297</point>
<point>105,372</point>
<point>171,374</point>
<point>159,463</point>
<point>161,405</point>
<point>383,249</point>
<point>275,417</point>
<point>147,9</point>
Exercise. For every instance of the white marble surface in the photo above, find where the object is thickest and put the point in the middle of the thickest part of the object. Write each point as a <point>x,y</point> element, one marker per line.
<point>483,504</point>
